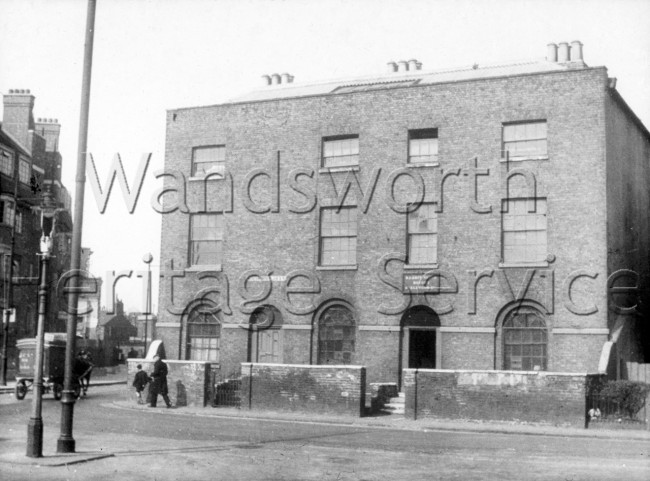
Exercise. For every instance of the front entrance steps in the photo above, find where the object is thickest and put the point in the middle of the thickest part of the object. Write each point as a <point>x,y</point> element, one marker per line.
<point>395,405</point>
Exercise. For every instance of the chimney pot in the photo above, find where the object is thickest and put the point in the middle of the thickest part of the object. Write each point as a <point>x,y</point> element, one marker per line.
<point>576,51</point>
<point>563,52</point>
<point>413,65</point>
<point>275,79</point>
<point>418,66</point>
<point>551,52</point>
<point>284,78</point>
<point>392,67</point>
<point>266,79</point>
<point>402,66</point>
<point>11,91</point>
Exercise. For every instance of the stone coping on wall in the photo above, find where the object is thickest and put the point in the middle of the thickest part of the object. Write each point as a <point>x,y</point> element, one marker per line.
<point>496,371</point>
<point>311,366</point>
<point>171,361</point>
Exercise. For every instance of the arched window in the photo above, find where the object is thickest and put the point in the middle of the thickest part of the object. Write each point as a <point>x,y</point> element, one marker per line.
<point>203,335</point>
<point>336,336</point>
<point>525,341</point>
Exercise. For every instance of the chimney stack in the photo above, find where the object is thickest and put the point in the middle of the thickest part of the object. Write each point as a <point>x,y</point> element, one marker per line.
<point>563,52</point>
<point>49,129</point>
<point>18,115</point>
<point>551,52</point>
<point>576,51</point>
<point>277,79</point>
<point>404,66</point>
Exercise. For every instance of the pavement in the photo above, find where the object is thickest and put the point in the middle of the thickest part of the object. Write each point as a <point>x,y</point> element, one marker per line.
<point>14,449</point>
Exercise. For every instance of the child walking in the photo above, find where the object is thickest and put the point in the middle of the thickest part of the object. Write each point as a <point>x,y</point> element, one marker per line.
<point>139,383</point>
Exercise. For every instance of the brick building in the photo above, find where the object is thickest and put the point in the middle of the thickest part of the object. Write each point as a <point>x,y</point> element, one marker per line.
<point>493,217</point>
<point>29,167</point>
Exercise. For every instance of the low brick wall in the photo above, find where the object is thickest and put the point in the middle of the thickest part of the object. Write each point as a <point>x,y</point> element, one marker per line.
<point>305,388</point>
<point>555,398</point>
<point>188,382</point>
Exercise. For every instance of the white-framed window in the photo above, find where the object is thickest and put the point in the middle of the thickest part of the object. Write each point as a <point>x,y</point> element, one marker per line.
<point>423,235</point>
<point>203,336</point>
<point>423,146</point>
<point>525,341</point>
<point>525,140</point>
<point>7,212</point>
<point>6,162</point>
<point>208,160</point>
<point>24,171</point>
<point>524,231</point>
<point>341,151</point>
<point>338,231</point>
<point>206,239</point>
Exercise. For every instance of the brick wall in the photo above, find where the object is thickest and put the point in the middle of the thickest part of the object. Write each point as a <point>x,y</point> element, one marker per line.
<point>187,381</point>
<point>314,389</point>
<point>545,397</point>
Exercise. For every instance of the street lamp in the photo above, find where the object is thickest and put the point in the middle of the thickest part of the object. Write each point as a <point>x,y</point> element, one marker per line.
<point>35,425</point>
<point>147,259</point>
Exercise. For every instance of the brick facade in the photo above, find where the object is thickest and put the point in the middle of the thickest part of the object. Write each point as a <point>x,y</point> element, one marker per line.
<point>469,115</point>
<point>313,389</point>
<point>544,397</point>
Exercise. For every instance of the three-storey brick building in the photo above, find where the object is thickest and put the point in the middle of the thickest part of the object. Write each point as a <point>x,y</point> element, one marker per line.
<point>30,165</point>
<point>475,218</point>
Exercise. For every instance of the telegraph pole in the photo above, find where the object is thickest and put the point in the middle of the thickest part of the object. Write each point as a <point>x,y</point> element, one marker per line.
<point>66,442</point>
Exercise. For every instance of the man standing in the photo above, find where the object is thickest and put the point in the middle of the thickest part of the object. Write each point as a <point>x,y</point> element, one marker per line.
<point>159,382</point>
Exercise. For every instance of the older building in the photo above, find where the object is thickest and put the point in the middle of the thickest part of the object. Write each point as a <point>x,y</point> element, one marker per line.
<point>30,166</point>
<point>493,217</point>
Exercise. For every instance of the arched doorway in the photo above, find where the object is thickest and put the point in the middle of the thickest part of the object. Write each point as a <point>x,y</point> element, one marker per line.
<point>419,339</point>
<point>265,335</point>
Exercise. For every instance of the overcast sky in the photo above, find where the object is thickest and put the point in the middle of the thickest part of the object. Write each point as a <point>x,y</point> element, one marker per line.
<point>151,56</point>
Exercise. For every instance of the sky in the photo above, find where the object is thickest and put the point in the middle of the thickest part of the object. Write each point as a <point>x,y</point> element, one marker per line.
<point>151,56</point>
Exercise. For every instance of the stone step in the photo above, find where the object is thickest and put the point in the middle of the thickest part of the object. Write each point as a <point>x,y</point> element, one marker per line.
<point>388,409</point>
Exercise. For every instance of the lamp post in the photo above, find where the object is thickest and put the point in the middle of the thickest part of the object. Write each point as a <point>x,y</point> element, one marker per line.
<point>66,442</point>
<point>35,424</point>
<point>147,259</point>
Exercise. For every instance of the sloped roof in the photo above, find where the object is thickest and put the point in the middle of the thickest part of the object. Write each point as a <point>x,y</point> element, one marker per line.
<point>402,79</point>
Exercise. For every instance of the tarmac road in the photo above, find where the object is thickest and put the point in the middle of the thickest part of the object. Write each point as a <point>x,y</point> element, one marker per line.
<point>179,444</point>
